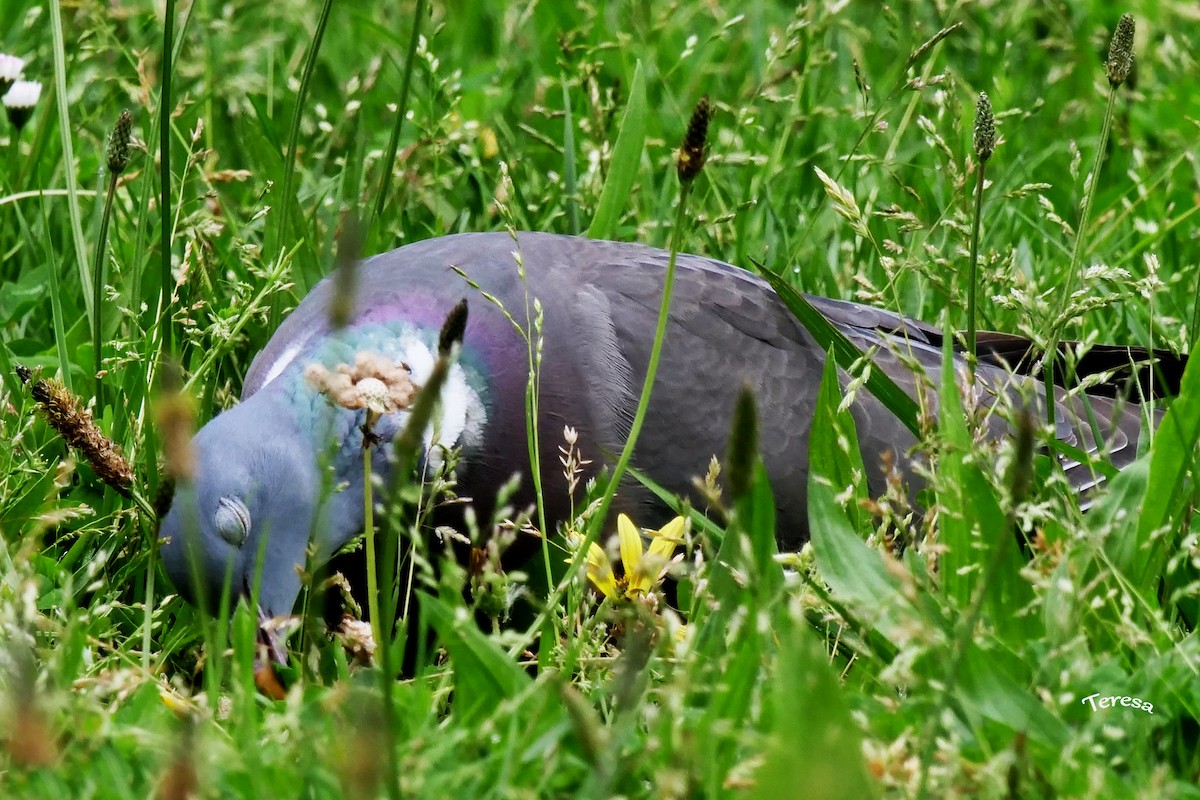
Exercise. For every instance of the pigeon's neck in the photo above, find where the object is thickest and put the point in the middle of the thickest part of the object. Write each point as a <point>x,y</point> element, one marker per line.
<point>458,420</point>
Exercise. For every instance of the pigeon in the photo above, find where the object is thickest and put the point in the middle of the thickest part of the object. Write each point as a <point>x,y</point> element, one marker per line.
<point>284,467</point>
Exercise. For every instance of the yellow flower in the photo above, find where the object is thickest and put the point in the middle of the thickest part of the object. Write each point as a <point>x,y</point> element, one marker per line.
<point>600,571</point>
<point>642,568</point>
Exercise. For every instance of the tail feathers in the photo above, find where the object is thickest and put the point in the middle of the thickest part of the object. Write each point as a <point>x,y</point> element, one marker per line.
<point>1133,372</point>
<point>1107,429</point>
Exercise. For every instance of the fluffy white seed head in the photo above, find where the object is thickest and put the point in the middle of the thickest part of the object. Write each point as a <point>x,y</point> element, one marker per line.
<point>10,67</point>
<point>23,94</point>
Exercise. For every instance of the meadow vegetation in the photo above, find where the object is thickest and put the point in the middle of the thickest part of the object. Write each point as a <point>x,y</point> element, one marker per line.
<point>970,650</point>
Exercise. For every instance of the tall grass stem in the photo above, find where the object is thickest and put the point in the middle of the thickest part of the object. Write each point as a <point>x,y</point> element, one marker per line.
<point>369,527</point>
<point>98,287</point>
<point>973,275</point>
<point>287,202</point>
<point>1074,272</point>
<point>166,334</point>
<point>389,157</point>
<point>68,150</point>
<point>596,524</point>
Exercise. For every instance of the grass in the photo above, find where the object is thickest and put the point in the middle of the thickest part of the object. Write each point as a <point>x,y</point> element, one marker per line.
<point>841,155</point>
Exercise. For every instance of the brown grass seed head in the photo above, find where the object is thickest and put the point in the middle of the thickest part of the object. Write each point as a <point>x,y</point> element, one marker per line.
<point>1120,52</point>
<point>691,154</point>
<point>74,424</point>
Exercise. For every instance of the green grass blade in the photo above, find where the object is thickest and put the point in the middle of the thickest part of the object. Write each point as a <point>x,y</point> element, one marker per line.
<point>389,158</point>
<point>981,553</point>
<point>992,685</point>
<point>834,446</point>
<point>484,674</point>
<point>834,341</point>
<point>827,760</point>
<point>569,173</point>
<point>166,330</point>
<point>1154,485</point>
<point>855,572</point>
<point>288,204</point>
<point>1172,456</point>
<point>65,129</point>
<point>625,163</point>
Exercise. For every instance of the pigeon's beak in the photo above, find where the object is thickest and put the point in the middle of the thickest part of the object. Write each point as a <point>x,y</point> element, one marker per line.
<point>269,654</point>
<point>270,642</point>
<point>269,638</point>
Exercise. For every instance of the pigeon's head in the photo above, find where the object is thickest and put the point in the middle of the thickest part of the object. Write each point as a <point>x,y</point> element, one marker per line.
<point>252,501</point>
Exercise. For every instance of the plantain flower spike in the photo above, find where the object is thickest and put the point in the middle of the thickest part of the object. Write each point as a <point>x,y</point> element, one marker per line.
<point>1120,52</point>
<point>118,143</point>
<point>985,129</point>
<point>691,154</point>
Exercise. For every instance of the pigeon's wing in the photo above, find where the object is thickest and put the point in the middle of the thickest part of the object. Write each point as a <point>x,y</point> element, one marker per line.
<point>1100,424</point>
<point>727,328</point>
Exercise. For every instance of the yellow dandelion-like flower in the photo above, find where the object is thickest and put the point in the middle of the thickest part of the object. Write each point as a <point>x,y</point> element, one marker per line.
<point>642,568</point>
<point>600,572</point>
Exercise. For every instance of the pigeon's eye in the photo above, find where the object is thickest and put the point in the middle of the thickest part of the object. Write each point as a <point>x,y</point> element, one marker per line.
<point>232,520</point>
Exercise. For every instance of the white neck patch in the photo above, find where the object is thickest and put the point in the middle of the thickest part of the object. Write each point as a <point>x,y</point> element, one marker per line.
<point>462,415</point>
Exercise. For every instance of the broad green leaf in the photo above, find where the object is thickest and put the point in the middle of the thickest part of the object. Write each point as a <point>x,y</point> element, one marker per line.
<point>854,571</point>
<point>981,552</point>
<point>728,694</point>
<point>484,675</point>
<point>756,521</point>
<point>1172,455</point>
<point>1114,524</point>
<point>992,684</point>
<point>834,446</point>
<point>815,749</point>
<point>744,585</point>
<point>744,571</point>
<point>1143,500</point>
<point>625,163</point>
<point>1115,519</point>
<point>960,560</point>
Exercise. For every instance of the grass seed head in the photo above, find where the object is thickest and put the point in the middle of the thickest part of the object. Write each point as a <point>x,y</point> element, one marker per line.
<point>74,423</point>
<point>691,154</point>
<point>27,736</point>
<point>176,420</point>
<point>345,273</point>
<point>929,44</point>
<point>743,443</point>
<point>118,143</point>
<point>1120,52</point>
<point>358,751</point>
<point>860,81</point>
<point>1020,477</point>
<point>179,779</point>
<point>985,129</point>
<point>453,328</point>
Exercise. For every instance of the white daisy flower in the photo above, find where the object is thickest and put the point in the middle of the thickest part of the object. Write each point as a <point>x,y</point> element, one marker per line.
<point>20,100</point>
<point>10,67</point>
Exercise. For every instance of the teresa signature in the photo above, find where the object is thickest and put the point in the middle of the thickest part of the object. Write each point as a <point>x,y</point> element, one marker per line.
<point>1111,701</point>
